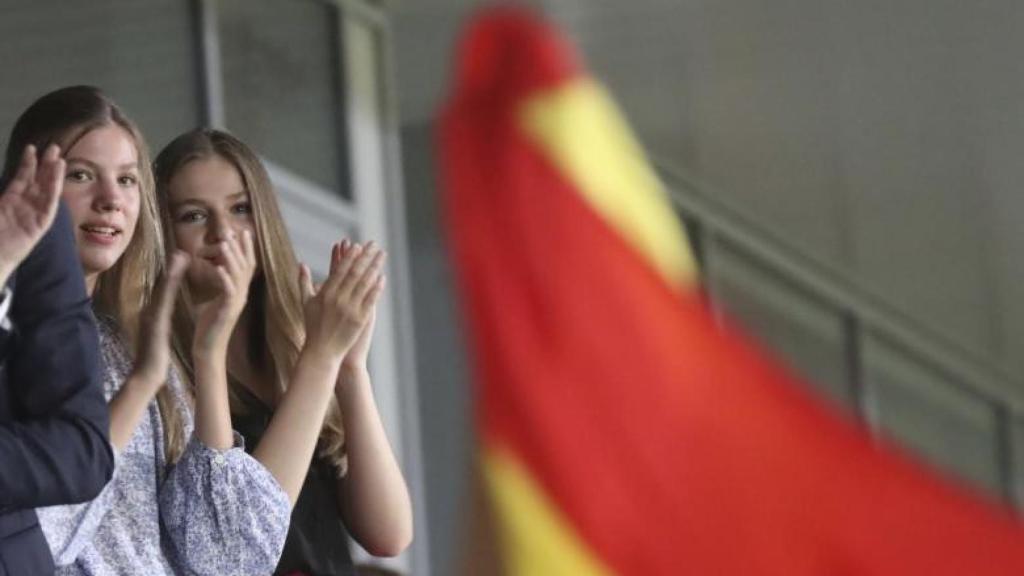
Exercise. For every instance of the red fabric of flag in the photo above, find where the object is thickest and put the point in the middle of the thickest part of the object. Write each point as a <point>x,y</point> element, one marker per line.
<point>667,444</point>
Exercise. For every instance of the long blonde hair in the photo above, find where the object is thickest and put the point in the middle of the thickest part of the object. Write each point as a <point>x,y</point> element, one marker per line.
<point>274,296</point>
<point>64,117</point>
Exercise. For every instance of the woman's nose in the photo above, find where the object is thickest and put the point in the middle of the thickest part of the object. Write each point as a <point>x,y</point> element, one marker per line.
<point>110,197</point>
<point>221,231</point>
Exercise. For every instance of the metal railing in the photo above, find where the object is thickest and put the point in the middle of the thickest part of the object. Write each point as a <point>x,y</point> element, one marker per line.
<point>712,224</point>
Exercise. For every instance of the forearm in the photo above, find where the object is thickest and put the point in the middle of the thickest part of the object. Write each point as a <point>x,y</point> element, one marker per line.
<point>127,408</point>
<point>287,446</point>
<point>373,495</point>
<point>213,412</point>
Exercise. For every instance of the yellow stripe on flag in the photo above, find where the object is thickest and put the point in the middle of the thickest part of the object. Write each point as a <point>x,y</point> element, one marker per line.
<point>535,539</point>
<point>582,131</point>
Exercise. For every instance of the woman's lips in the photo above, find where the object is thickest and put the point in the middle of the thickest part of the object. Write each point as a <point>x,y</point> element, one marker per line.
<point>98,234</point>
<point>217,260</point>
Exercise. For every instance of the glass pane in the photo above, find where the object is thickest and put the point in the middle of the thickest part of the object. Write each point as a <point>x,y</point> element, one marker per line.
<point>144,54</point>
<point>282,93</point>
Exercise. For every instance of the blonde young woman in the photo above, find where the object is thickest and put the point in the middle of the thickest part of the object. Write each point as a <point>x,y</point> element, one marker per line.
<point>181,501</point>
<point>301,392</point>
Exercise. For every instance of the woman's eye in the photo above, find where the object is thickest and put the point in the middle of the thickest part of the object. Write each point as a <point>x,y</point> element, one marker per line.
<point>78,175</point>
<point>242,208</point>
<point>190,217</point>
<point>128,180</point>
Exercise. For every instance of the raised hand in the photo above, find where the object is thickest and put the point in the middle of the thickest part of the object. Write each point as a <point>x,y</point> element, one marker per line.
<point>358,356</point>
<point>338,314</point>
<point>216,317</point>
<point>152,357</point>
<point>28,206</point>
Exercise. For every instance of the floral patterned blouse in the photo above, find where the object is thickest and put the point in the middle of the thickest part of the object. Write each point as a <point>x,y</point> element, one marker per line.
<point>213,512</point>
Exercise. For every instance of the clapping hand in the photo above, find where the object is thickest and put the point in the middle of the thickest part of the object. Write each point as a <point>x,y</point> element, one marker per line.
<point>216,317</point>
<point>358,356</point>
<point>152,358</point>
<point>339,314</point>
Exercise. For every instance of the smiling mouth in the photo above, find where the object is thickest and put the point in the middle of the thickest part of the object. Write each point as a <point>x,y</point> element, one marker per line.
<point>108,231</point>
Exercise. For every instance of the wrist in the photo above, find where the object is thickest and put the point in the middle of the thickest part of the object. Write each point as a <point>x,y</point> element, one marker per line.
<point>323,349</point>
<point>209,364</point>
<point>352,381</point>
<point>353,371</point>
<point>209,349</point>
<point>320,358</point>
<point>142,382</point>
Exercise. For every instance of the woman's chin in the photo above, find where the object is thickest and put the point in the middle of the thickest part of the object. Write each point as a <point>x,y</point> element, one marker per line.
<point>97,264</point>
<point>203,282</point>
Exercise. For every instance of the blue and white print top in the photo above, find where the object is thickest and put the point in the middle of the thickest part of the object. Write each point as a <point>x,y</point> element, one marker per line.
<point>213,512</point>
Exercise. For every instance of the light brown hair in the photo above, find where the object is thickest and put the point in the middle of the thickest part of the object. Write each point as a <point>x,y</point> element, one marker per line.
<point>274,296</point>
<point>64,117</point>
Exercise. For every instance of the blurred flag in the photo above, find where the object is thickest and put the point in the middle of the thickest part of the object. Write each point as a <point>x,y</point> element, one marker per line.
<point>621,430</point>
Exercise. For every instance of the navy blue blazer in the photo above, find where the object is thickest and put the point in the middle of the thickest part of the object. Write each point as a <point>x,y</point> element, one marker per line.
<point>54,423</point>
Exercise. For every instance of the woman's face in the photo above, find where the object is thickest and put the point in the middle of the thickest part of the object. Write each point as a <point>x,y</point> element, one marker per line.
<point>101,189</point>
<point>208,204</point>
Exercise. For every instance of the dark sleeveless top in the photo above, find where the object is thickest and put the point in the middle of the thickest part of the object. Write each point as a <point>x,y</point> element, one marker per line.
<point>317,542</point>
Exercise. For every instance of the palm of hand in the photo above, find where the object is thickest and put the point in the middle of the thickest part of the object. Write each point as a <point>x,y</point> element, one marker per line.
<point>21,226</point>
<point>153,356</point>
<point>339,315</point>
<point>29,204</point>
<point>216,317</point>
<point>334,322</point>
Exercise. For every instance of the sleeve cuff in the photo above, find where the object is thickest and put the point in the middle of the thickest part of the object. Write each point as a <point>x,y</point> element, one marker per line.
<point>5,305</point>
<point>214,455</point>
